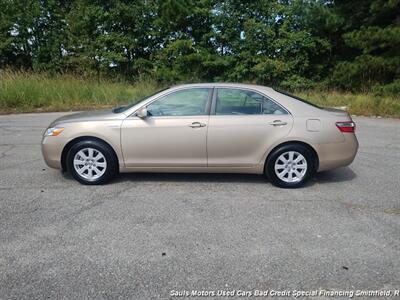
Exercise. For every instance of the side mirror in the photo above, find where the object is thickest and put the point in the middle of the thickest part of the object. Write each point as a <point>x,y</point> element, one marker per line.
<point>142,113</point>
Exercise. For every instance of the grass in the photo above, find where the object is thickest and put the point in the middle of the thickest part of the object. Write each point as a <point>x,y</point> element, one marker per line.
<point>29,92</point>
<point>32,92</point>
<point>357,104</point>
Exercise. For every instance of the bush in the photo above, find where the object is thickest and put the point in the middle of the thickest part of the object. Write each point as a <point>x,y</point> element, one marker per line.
<point>388,89</point>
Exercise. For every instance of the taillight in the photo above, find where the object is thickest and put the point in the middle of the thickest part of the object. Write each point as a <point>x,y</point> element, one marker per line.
<point>346,126</point>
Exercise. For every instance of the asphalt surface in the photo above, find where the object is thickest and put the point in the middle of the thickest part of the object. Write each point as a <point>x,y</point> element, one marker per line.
<point>145,235</point>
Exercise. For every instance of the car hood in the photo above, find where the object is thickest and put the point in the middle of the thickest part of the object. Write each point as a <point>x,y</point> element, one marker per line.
<point>99,115</point>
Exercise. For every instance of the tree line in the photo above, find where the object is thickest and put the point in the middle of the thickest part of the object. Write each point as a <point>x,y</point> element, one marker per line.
<point>295,44</point>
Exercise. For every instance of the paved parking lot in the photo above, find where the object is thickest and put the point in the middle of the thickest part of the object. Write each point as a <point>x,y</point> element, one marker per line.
<point>147,234</point>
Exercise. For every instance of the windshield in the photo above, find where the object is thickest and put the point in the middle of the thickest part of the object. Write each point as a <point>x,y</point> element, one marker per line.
<point>123,108</point>
<point>297,98</point>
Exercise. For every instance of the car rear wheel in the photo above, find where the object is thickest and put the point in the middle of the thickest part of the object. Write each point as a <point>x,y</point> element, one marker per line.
<point>290,166</point>
<point>92,162</point>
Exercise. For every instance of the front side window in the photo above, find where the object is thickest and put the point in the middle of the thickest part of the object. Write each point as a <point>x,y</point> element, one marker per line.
<point>189,102</point>
<point>243,102</point>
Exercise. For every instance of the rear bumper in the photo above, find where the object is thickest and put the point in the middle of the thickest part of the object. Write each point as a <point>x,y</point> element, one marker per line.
<point>335,155</point>
<point>51,150</point>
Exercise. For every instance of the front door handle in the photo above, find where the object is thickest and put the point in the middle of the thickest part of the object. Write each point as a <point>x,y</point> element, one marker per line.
<point>197,125</point>
<point>277,123</point>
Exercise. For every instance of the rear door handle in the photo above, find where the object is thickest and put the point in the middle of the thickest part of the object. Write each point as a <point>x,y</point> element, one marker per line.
<point>277,123</point>
<point>197,125</point>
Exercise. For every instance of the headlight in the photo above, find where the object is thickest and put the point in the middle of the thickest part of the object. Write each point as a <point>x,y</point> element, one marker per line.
<point>54,131</point>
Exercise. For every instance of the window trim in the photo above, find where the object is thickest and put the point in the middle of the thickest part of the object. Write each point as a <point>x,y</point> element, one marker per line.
<point>214,101</point>
<point>208,103</point>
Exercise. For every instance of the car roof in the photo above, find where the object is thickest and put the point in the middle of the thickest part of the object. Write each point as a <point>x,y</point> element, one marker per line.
<point>224,84</point>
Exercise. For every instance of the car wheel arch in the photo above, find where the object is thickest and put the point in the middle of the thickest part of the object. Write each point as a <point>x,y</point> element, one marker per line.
<point>295,142</point>
<point>72,142</point>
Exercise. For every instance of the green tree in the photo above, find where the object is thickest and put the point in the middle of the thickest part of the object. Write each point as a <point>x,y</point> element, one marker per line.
<point>372,39</point>
<point>32,34</point>
<point>295,44</point>
<point>271,41</point>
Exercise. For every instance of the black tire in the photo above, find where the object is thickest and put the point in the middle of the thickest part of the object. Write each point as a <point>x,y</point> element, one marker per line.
<point>109,156</point>
<point>272,160</point>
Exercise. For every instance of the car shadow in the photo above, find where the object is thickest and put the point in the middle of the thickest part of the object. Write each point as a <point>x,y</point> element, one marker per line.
<point>192,177</point>
<point>332,176</point>
<point>337,175</point>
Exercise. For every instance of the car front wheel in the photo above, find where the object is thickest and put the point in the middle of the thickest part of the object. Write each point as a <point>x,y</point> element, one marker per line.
<point>290,166</point>
<point>91,162</point>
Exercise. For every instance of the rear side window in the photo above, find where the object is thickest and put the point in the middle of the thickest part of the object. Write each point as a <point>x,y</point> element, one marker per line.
<point>243,102</point>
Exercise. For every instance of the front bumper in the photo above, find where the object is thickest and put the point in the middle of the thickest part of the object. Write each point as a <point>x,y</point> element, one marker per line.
<point>51,150</point>
<point>335,155</point>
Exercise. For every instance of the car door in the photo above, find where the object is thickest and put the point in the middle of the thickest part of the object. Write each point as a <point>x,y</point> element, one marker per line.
<point>172,135</point>
<point>243,125</point>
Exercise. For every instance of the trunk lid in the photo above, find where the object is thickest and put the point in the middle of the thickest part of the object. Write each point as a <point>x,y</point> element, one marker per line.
<point>337,112</point>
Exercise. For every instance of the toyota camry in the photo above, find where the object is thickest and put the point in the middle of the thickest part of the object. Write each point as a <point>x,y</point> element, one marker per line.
<point>220,128</point>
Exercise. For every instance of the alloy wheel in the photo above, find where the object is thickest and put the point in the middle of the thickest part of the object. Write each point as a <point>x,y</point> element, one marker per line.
<point>90,163</point>
<point>291,166</point>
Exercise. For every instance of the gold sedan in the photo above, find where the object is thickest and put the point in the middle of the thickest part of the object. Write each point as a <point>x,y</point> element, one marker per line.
<point>221,128</point>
